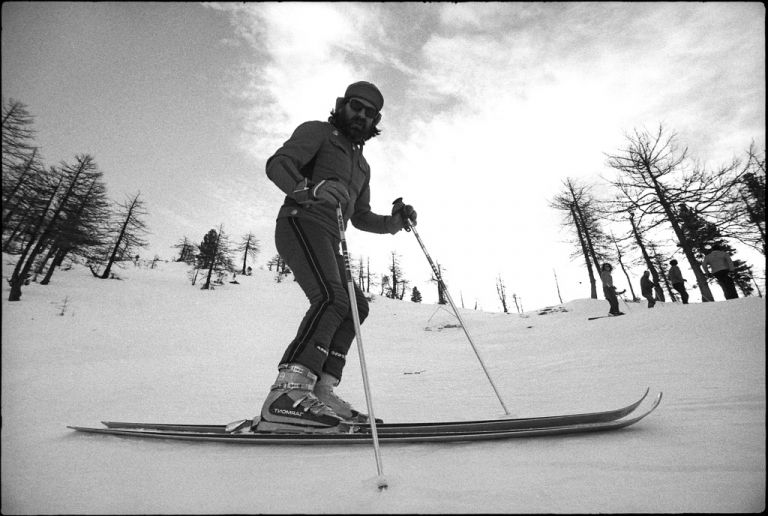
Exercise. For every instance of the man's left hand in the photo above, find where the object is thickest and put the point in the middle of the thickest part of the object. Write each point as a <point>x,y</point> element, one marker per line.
<point>403,213</point>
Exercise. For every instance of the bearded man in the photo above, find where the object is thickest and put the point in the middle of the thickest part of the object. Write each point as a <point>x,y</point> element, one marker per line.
<point>319,168</point>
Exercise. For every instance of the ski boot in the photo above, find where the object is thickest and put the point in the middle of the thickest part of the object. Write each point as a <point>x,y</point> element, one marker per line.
<point>324,392</point>
<point>292,407</point>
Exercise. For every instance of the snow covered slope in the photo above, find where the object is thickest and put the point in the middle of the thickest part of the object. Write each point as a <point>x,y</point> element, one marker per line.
<point>152,347</point>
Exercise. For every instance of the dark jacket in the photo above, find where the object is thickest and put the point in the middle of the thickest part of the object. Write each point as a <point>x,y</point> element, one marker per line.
<point>675,275</point>
<point>646,286</point>
<point>320,152</point>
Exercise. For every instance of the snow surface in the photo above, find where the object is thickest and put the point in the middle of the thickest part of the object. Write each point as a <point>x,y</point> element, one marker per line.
<point>151,347</point>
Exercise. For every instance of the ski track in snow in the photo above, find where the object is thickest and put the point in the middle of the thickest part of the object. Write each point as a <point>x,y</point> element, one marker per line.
<point>151,347</point>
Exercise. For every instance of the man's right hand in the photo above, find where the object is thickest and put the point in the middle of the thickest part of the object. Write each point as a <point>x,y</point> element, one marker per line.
<point>332,192</point>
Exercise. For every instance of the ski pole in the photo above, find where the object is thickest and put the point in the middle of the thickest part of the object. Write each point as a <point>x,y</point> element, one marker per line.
<point>410,227</point>
<point>382,482</point>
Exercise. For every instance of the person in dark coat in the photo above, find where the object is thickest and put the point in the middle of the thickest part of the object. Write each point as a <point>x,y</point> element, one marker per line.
<point>609,290</point>
<point>646,288</point>
<point>677,280</point>
<point>718,263</point>
<point>321,169</point>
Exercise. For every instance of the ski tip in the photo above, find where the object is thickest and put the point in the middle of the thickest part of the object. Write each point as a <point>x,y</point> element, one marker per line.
<point>656,402</point>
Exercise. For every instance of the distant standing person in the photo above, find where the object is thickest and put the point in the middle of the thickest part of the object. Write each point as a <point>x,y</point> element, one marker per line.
<point>609,290</point>
<point>677,280</point>
<point>719,263</point>
<point>646,288</point>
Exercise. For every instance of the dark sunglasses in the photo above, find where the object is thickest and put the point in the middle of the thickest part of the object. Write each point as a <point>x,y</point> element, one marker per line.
<point>356,106</point>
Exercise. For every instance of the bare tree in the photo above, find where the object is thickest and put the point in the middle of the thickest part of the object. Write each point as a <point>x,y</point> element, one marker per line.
<point>17,135</point>
<point>82,229</point>
<point>649,264</point>
<point>43,229</point>
<point>501,291</point>
<point>558,287</point>
<point>653,180</point>
<point>19,186</point>
<point>23,175</point>
<point>619,256</point>
<point>128,232</point>
<point>581,214</point>
<point>660,260</point>
<point>34,230</point>
<point>361,275</point>
<point>519,305</point>
<point>368,275</point>
<point>186,249</point>
<point>441,300</point>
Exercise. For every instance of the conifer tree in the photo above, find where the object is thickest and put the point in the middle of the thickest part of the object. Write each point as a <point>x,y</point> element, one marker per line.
<point>186,250</point>
<point>701,234</point>
<point>214,255</point>
<point>250,247</point>
<point>397,288</point>
<point>744,213</point>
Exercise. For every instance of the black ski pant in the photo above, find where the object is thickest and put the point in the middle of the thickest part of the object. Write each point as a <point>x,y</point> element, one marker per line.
<point>680,287</point>
<point>610,295</point>
<point>650,298</point>
<point>327,330</point>
<point>727,284</point>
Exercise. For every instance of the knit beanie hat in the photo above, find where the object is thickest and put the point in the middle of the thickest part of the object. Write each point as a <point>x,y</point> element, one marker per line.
<point>367,91</point>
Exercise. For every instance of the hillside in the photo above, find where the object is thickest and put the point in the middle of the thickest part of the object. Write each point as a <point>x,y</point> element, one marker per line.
<point>152,347</point>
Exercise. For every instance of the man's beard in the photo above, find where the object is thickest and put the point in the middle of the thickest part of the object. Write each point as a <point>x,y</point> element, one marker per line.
<point>355,128</point>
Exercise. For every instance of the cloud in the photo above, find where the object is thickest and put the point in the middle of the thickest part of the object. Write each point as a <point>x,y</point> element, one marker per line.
<point>489,105</point>
<point>303,56</point>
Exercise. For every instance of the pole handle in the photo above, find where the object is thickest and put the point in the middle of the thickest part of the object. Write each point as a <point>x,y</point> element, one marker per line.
<point>408,222</point>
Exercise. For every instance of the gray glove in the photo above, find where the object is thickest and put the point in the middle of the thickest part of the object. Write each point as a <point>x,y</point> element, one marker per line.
<point>328,191</point>
<point>401,214</point>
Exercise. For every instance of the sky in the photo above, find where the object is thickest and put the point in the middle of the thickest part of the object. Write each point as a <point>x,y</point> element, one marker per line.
<point>488,108</point>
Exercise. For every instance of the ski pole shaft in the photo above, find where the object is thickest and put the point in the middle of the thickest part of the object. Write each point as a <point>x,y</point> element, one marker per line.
<point>382,482</point>
<point>456,311</point>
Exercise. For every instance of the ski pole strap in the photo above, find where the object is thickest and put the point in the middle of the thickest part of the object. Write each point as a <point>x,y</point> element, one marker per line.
<point>344,249</point>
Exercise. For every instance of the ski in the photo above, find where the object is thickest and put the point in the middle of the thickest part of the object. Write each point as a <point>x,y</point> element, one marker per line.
<point>451,426</point>
<point>601,317</point>
<point>497,425</point>
<point>362,435</point>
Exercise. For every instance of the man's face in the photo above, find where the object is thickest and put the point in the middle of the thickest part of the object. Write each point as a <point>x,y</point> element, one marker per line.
<point>357,118</point>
